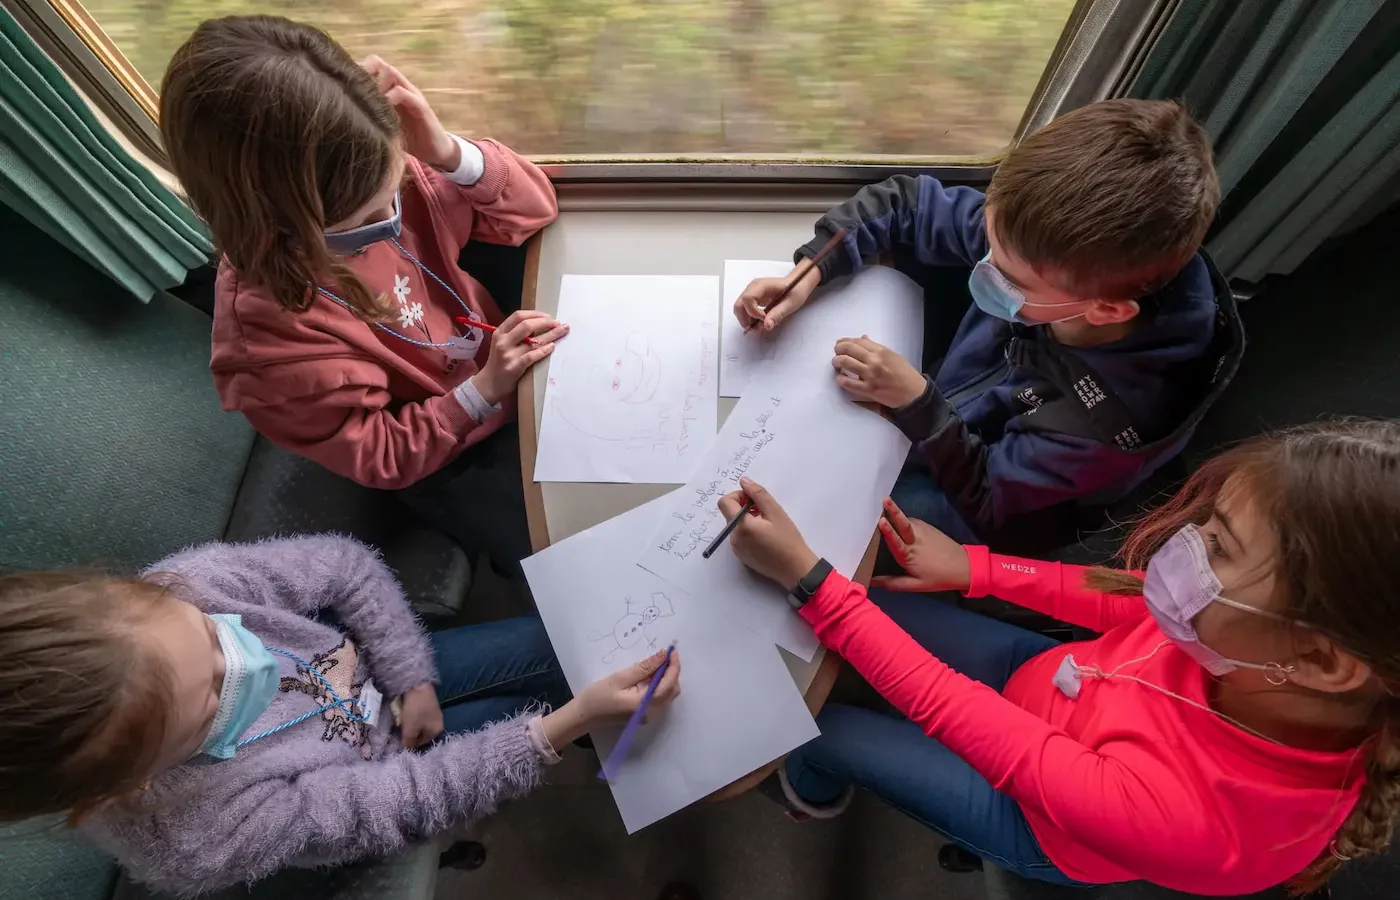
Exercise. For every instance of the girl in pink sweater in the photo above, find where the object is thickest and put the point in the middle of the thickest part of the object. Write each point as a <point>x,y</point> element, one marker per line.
<point>343,328</point>
<point>1234,726</point>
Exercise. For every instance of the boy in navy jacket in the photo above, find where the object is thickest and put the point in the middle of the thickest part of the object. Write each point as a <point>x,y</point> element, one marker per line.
<point>1098,335</point>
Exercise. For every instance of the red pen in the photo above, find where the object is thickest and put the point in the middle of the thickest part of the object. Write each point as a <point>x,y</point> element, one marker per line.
<point>472,323</point>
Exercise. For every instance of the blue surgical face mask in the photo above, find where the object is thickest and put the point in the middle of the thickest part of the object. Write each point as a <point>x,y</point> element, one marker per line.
<point>356,239</point>
<point>1180,584</point>
<point>251,679</point>
<point>996,296</point>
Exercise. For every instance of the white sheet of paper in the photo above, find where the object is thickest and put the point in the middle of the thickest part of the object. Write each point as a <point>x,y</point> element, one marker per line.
<point>829,462</point>
<point>631,393</point>
<point>739,352</point>
<point>739,708</point>
<point>878,302</point>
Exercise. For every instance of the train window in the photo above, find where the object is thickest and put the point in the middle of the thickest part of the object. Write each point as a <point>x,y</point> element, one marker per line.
<point>790,80</point>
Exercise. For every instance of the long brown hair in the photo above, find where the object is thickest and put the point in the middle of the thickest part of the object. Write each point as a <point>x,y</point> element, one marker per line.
<point>1331,492</point>
<point>275,134</point>
<point>1109,200</point>
<point>85,701</point>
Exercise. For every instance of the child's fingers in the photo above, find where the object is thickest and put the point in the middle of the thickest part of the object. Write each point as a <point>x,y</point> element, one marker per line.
<point>779,311</point>
<point>747,311</point>
<point>634,675</point>
<point>853,348</point>
<point>731,503</point>
<point>850,365</point>
<point>552,334</point>
<point>853,386</point>
<point>902,583</point>
<point>670,686</point>
<point>406,100</point>
<point>520,315</point>
<point>524,325</point>
<point>893,540</point>
<point>529,358</point>
<point>902,526</point>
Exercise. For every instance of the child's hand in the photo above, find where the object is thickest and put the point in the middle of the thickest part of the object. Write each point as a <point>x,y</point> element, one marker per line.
<point>932,560</point>
<point>756,305</point>
<point>423,135</point>
<point>613,699</point>
<point>421,718</point>
<point>516,345</point>
<point>766,540</point>
<point>870,371</point>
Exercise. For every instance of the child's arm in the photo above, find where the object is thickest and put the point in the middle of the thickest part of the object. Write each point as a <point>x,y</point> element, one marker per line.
<point>989,484</point>
<point>944,226</point>
<point>504,201</point>
<point>257,816</point>
<point>1139,815</point>
<point>349,423</point>
<point>310,573</point>
<point>1054,589</point>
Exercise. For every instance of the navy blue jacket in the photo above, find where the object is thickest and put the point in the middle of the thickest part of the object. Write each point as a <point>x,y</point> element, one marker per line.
<point>1016,428</point>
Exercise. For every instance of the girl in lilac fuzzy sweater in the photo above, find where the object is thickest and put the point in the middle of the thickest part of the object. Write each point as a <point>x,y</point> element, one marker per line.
<point>208,724</point>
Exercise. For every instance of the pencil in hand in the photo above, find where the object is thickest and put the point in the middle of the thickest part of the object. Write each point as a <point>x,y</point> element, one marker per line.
<point>728,528</point>
<point>808,265</point>
<point>473,323</point>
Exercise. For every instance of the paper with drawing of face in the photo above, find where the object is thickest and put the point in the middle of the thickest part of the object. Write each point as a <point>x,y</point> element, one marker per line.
<point>630,395</point>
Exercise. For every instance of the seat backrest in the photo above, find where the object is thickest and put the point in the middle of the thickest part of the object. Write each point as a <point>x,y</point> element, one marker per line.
<point>113,451</point>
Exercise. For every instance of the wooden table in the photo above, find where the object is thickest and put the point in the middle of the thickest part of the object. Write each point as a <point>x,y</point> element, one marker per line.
<point>647,243</point>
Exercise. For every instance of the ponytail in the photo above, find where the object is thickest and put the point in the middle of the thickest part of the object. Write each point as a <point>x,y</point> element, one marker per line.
<point>1369,827</point>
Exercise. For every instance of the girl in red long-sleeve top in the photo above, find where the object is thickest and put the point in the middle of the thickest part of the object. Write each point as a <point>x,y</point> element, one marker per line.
<point>342,322</point>
<point>1235,725</point>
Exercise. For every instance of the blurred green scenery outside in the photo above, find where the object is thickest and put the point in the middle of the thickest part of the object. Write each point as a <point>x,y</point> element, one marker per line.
<point>814,78</point>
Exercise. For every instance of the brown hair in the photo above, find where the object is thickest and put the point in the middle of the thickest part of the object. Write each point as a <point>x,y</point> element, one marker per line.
<point>275,134</point>
<point>1109,201</point>
<point>1331,492</point>
<point>85,703</point>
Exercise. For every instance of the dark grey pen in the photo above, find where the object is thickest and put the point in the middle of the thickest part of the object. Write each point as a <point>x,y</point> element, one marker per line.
<point>728,527</point>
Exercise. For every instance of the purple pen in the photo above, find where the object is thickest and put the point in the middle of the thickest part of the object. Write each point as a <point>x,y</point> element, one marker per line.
<point>624,740</point>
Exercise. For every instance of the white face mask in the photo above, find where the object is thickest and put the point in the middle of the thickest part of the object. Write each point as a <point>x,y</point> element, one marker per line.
<point>1180,584</point>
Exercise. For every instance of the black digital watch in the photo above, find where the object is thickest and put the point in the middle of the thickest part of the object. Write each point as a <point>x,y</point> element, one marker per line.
<point>808,585</point>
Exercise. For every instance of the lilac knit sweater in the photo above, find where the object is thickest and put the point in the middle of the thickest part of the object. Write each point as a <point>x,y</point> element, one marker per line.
<point>329,789</point>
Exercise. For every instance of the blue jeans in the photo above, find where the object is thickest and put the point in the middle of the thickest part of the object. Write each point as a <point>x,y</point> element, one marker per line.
<point>491,671</point>
<point>920,498</point>
<point>894,760</point>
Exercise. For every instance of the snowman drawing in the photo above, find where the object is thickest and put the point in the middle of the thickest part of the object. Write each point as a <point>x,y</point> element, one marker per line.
<point>633,628</point>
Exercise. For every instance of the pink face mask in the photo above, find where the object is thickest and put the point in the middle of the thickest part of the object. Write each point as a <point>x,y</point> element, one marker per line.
<point>1179,585</point>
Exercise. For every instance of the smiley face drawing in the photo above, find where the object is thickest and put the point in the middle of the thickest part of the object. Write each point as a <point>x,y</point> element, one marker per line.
<point>636,372</point>
<point>633,628</point>
<point>613,390</point>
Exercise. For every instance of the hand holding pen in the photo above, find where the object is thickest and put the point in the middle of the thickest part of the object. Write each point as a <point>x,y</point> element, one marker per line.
<point>768,301</point>
<point>765,538</point>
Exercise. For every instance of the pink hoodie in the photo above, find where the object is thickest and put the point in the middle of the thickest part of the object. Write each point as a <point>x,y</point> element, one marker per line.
<point>329,386</point>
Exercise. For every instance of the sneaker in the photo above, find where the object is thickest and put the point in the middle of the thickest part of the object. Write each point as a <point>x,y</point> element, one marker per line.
<point>778,788</point>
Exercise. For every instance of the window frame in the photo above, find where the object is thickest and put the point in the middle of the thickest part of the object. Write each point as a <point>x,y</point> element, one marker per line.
<point>1099,52</point>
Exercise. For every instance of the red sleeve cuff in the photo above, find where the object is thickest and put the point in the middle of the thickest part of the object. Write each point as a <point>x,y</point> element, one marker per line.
<point>979,564</point>
<point>828,598</point>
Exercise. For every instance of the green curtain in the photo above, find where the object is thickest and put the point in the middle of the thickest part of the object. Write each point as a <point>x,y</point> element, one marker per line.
<point>61,170</point>
<point>1302,101</point>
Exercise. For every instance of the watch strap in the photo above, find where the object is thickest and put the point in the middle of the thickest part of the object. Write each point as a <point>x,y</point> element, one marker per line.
<point>808,585</point>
